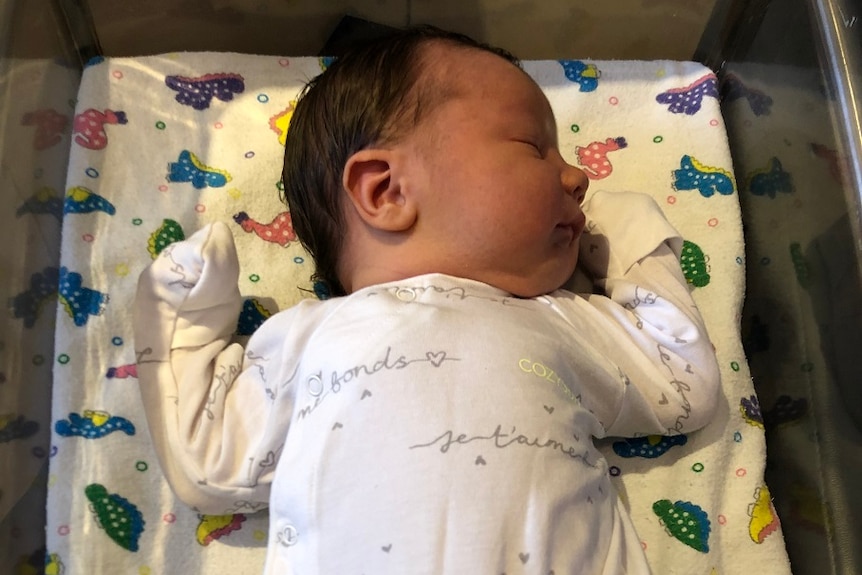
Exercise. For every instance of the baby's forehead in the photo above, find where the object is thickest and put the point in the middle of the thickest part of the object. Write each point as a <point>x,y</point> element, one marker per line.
<point>445,56</point>
<point>443,63</point>
<point>459,69</point>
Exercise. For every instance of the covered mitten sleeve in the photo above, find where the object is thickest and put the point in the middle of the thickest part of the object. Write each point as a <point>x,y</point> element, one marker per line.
<point>211,405</point>
<point>655,335</point>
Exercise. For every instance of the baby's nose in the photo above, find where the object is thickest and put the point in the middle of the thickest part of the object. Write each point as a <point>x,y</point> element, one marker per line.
<point>576,182</point>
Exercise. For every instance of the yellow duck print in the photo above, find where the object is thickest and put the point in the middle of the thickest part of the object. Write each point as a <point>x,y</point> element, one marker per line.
<point>764,520</point>
<point>281,121</point>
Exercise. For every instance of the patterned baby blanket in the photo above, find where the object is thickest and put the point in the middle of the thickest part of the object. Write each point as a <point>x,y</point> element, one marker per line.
<point>162,145</point>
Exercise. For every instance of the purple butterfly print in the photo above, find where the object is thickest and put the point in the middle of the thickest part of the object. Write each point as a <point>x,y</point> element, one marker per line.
<point>688,100</point>
<point>199,92</point>
<point>750,408</point>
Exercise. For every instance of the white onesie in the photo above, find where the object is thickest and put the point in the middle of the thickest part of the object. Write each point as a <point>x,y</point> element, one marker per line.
<point>430,425</point>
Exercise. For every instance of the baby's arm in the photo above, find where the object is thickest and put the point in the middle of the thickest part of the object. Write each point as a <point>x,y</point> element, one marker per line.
<point>657,335</point>
<point>208,402</point>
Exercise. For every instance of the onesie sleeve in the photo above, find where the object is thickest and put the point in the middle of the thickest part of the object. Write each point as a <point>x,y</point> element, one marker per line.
<point>211,405</point>
<point>650,326</point>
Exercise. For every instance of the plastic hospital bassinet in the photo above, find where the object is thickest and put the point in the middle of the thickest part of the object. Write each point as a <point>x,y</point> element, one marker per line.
<point>790,76</point>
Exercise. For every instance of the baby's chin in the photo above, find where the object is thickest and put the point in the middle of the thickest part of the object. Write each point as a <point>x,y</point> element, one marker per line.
<point>542,284</point>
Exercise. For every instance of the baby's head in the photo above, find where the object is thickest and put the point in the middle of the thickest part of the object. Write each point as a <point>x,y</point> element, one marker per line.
<point>428,152</point>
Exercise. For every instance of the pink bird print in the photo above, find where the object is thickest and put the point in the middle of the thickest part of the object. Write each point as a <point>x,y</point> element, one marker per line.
<point>278,231</point>
<point>594,158</point>
<point>89,127</point>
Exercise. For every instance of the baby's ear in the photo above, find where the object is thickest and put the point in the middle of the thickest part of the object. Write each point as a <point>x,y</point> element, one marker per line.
<point>372,184</point>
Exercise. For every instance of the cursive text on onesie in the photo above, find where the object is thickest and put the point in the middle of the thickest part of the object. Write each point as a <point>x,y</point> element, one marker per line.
<point>501,440</point>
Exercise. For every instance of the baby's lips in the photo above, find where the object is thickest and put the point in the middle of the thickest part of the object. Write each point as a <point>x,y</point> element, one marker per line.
<point>580,223</point>
<point>572,228</point>
<point>576,224</point>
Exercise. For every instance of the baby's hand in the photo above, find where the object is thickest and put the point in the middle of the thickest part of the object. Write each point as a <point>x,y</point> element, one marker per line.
<point>188,297</point>
<point>199,273</point>
<point>622,228</point>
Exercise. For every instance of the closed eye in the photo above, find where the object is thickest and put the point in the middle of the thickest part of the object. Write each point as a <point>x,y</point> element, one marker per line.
<point>536,147</point>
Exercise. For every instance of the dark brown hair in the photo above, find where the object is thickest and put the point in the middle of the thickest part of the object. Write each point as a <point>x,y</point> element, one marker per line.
<point>371,95</point>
